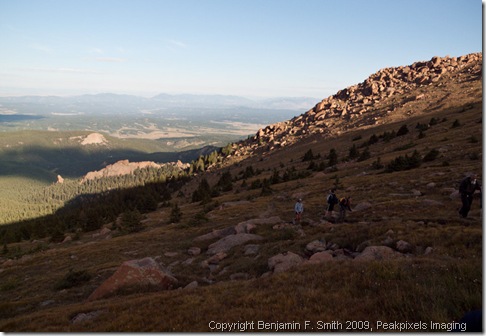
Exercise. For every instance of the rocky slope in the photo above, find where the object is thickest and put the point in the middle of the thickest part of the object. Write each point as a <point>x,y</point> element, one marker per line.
<point>388,95</point>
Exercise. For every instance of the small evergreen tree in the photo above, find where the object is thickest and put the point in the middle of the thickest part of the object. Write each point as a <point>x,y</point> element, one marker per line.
<point>130,221</point>
<point>308,156</point>
<point>202,193</point>
<point>175,214</point>
<point>332,157</point>
<point>402,130</point>
<point>365,155</point>
<point>275,177</point>
<point>225,183</point>
<point>456,123</point>
<point>353,152</point>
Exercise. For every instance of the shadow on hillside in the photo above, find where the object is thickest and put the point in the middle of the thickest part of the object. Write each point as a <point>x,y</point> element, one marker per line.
<point>6,118</point>
<point>44,164</point>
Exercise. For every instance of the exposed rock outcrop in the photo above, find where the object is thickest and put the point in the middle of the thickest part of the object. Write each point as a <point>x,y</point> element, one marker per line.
<point>125,167</point>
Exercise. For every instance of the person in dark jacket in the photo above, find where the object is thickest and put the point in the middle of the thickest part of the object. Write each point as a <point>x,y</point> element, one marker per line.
<point>332,200</point>
<point>467,188</point>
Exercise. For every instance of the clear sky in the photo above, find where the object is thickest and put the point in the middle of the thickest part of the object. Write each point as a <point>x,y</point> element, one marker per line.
<point>261,48</point>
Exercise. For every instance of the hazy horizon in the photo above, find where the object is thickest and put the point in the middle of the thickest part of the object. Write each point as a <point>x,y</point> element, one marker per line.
<point>253,48</point>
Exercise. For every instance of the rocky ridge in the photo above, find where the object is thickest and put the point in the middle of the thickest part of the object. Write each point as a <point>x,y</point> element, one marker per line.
<point>388,93</point>
<point>125,167</point>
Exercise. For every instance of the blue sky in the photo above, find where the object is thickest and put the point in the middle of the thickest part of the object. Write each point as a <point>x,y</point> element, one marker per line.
<point>261,48</point>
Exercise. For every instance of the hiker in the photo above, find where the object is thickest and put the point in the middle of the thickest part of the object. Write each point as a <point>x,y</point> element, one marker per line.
<point>331,201</point>
<point>344,204</point>
<point>467,188</point>
<point>299,209</point>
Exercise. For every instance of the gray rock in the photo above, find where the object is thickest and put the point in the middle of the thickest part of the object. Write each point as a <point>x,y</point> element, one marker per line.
<point>284,261</point>
<point>378,253</point>
<point>227,243</point>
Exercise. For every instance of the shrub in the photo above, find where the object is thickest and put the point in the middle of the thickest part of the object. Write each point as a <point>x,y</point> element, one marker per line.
<point>225,183</point>
<point>404,162</point>
<point>431,156</point>
<point>377,164</point>
<point>130,221</point>
<point>72,279</point>
<point>387,136</point>
<point>433,122</point>
<point>275,177</point>
<point>365,155</point>
<point>456,123</point>
<point>175,214</point>
<point>202,193</point>
<point>402,130</point>
<point>266,190</point>
<point>308,156</point>
<point>332,157</point>
<point>372,140</point>
<point>353,152</point>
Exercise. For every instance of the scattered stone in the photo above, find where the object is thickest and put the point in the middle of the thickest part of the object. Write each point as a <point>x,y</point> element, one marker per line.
<point>284,261</point>
<point>252,249</point>
<point>171,254</point>
<point>377,253</point>
<point>194,251</point>
<point>135,273</point>
<point>227,243</point>
<point>360,248</point>
<point>192,285</point>
<point>404,247</point>
<point>84,317</point>
<point>47,303</point>
<point>320,257</point>
<point>250,225</point>
<point>316,246</point>
<point>416,192</point>
<point>428,250</point>
<point>67,239</point>
<point>429,202</point>
<point>239,276</point>
<point>216,234</point>
<point>362,206</point>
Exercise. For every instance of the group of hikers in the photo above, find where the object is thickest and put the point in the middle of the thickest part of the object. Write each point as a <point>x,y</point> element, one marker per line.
<point>332,200</point>
<point>467,188</point>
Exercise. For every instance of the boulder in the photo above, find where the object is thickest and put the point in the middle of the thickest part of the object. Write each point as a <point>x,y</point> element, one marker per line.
<point>378,253</point>
<point>251,249</point>
<point>216,234</point>
<point>132,274</point>
<point>320,257</point>
<point>362,206</point>
<point>316,246</point>
<point>284,261</point>
<point>194,251</point>
<point>404,247</point>
<point>250,225</point>
<point>227,243</point>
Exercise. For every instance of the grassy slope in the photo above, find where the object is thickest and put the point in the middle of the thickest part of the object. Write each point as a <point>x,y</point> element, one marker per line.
<point>438,287</point>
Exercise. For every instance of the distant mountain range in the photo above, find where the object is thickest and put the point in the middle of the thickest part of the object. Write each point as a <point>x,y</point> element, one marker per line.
<point>108,103</point>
